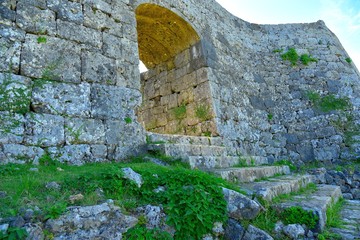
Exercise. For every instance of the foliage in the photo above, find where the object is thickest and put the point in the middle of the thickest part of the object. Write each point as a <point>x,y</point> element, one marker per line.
<point>128,120</point>
<point>140,232</point>
<point>329,102</point>
<point>267,219</point>
<point>14,233</point>
<point>348,60</point>
<point>308,189</point>
<point>278,50</point>
<point>207,134</point>
<point>306,59</point>
<point>333,215</point>
<point>326,235</point>
<point>202,112</point>
<point>180,111</point>
<point>14,95</point>
<point>41,39</point>
<point>296,214</point>
<point>291,55</point>
<point>286,163</point>
<point>270,116</point>
<point>55,210</point>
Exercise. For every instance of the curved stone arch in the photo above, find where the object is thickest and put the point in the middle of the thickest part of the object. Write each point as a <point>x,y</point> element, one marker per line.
<point>176,90</point>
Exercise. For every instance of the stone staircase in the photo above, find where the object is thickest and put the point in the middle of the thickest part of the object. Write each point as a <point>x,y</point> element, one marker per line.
<point>255,176</point>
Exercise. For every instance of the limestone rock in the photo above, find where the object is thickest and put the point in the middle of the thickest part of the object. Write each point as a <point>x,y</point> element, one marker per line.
<point>34,231</point>
<point>254,233</point>
<point>103,221</point>
<point>53,185</point>
<point>76,198</point>
<point>234,230</point>
<point>131,175</point>
<point>294,231</point>
<point>239,206</point>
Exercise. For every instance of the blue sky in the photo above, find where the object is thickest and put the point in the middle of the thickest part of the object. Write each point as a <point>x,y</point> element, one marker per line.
<point>341,16</point>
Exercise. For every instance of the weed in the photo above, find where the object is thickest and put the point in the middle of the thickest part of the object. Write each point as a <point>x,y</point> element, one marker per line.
<point>41,39</point>
<point>128,120</point>
<point>278,50</point>
<point>180,112</point>
<point>270,116</point>
<point>242,162</point>
<point>286,163</point>
<point>306,59</point>
<point>49,74</point>
<point>14,233</point>
<point>333,215</point>
<point>55,211</point>
<point>348,60</point>
<point>202,112</point>
<point>75,133</point>
<point>329,102</point>
<point>326,235</point>
<point>310,188</point>
<point>207,133</point>
<point>296,214</point>
<point>291,55</point>
<point>140,232</point>
<point>267,219</point>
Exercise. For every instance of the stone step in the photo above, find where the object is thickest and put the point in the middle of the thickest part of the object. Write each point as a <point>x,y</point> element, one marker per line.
<point>276,186</point>
<point>211,162</point>
<point>185,150</point>
<point>182,139</point>
<point>350,216</point>
<point>318,202</point>
<point>250,174</point>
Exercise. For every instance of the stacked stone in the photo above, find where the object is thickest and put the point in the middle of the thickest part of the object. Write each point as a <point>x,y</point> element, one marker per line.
<point>182,82</point>
<point>77,63</point>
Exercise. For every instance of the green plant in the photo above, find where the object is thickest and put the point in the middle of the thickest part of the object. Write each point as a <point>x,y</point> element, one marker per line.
<point>348,60</point>
<point>55,210</point>
<point>296,214</point>
<point>14,233</point>
<point>326,235</point>
<point>128,120</point>
<point>202,112</point>
<point>180,112</point>
<point>333,215</point>
<point>75,133</point>
<point>286,163</point>
<point>242,162</point>
<point>41,39</point>
<point>306,59</point>
<point>278,50</point>
<point>207,133</point>
<point>291,55</point>
<point>329,102</point>
<point>49,73</point>
<point>140,232</point>
<point>270,116</point>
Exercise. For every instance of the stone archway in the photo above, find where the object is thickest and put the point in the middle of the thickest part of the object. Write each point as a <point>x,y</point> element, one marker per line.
<point>176,90</point>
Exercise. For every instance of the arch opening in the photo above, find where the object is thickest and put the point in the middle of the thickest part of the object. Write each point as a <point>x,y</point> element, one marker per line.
<point>176,90</point>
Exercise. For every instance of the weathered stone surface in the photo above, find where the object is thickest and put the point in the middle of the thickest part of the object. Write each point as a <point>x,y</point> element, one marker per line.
<point>67,10</point>
<point>35,20</point>
<point>55,59</point>
<point>256,234</point>
<point>294,231</point>
<point>11,128</point>
<point>99,221</point>
<point>239,206</point>
<point>156,218</point>
<point>98,68</point>
<point>44,130</point>
<point>133,176</point>
<point>61,98</point>
<point>15,153</point>
<point>234,230</point>
<point>84,131</point>
<point>73,154</point>
<point>34,231</point>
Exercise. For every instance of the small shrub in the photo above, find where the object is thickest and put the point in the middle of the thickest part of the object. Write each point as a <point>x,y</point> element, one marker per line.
<point>180,111</point>
<point>41,39</point>
<point>55,211</point>
<point>291,55</point>
<point>202,112</point>
<point>298,215</point>
<point>348,60</point>
<point>306,59</point>
<point>140,232</point>
<point>328,103</point>
<point>128,120</point>
<point>14,233</point>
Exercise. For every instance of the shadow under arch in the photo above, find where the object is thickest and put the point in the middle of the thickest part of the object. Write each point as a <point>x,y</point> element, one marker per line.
<point>176,90</point>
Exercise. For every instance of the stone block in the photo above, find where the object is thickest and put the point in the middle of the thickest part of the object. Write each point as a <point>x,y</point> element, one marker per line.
<point>97,19</point>
<point>83,34</point>
<point>84,131</point>
<point>44,130</point>
<point>120,132</point>
<point>201,75</point>
<point>128,75</point>
<point>61,98</point>
<point>10,48</point>
<point>56,59</point>
<point>202,92</point>
<point>15,93</point>
<point>130,51</point>
<point>113,102</point>
<point>98,153</point>
<point>112,46</point>
<point>7,14</point>
<point>15,153</point>
<point>11,128</point>
<point>67,10</point>
<point>73,154</point>
<point>35,20</point>
<point>98,68</point>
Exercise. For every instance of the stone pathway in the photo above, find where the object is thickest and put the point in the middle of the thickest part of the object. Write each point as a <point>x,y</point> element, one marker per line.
<point>351,217</point>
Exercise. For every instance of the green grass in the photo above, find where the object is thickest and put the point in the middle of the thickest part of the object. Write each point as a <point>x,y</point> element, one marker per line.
<point>328,103</point>
<point>307,190</point>
<point>41,39</point>
<point>202,112</point>
<point>306,59</point>
<point>180,112</point>
<point>193,199</point>
<point>291,55</point>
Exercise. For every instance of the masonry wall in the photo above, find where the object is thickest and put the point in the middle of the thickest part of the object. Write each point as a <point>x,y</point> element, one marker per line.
<point>177,97</point>
<point>73,87</point>
<point>69,84</point>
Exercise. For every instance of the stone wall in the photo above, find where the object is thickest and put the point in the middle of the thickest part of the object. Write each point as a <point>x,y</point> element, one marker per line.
<point>177,97</point>
<point>70,84</point>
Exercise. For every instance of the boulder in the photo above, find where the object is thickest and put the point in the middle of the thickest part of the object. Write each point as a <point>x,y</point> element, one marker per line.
<point>294,231</point>
<point>131,175</point>
<point>234,230</point>
<point>239,206</point>
<point>254,233</point>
